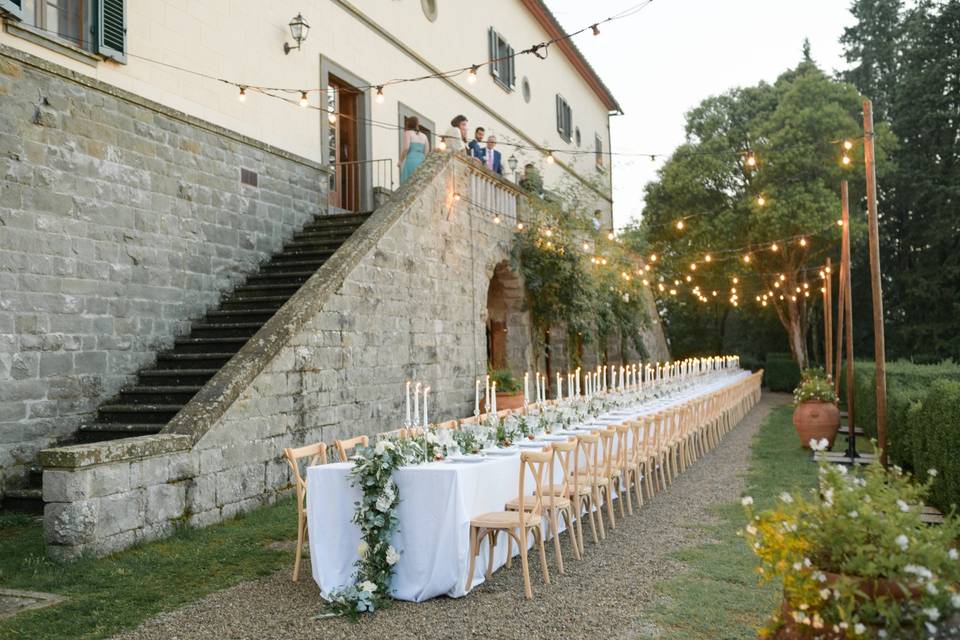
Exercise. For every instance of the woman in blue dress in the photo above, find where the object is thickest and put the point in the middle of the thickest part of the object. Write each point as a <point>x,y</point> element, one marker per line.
<point>413,148</point>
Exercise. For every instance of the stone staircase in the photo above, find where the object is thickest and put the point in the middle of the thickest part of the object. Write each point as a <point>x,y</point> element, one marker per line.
<point>162,390</point>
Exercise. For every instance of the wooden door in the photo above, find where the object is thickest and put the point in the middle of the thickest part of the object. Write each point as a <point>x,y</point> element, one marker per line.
<point>343,146</point>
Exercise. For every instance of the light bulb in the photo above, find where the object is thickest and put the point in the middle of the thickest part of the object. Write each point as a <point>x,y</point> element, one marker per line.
<point>846,160</point>
<point>761,201</point>
<point>610,236</point>
<point>776,284</point>
<point>673,292</point>
<point>774,247</point>
<point>679,225</point>
<point>689,278</point>
<point>751,160</point>
<point>520,226</point>
<point>693,266</point>
<point>676,282</point>
<point>746,258</point>
<point>586,246</point>
<point>803,242</point>
<point>332,118</point>
<point>646,282</point>
<point>243,94</point>
<point>653,257</point>
<point>379,97</point>
<point>550,158</point>
<point>707,258</point>
<point>714,293</point>
<point>596,29</point>
<point>823,289</point>
<point>472,76</point>
<point>782,277</point>
<point>442,145</point>
<point>304,100</point>
<point>548,232</point>
<point>847,145</point>
<point>764,303</point>
<point>840,223</point>
<point>496,219</point>
<point>603,261</point>
<point>736,281</point>
<point>456,197</point>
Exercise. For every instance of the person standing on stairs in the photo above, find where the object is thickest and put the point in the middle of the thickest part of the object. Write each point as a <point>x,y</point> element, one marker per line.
<point>413,148</point>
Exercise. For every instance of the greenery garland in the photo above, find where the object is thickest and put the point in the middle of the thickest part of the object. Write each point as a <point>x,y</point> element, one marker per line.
<point>375,514</point>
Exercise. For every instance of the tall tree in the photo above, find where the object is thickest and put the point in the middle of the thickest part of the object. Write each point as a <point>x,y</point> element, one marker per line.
<point>760,165</point>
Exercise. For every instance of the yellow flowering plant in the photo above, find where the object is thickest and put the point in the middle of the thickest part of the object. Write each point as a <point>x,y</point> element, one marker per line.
<point>855,558</point>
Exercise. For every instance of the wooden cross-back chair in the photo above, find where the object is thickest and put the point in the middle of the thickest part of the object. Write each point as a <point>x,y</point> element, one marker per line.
<point>518,525</point>
<point>345,447</point>
<point>314,454</point>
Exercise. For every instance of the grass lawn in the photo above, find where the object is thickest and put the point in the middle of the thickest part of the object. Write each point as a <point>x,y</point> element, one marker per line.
<point>108,595</point>
<point>718,595</point>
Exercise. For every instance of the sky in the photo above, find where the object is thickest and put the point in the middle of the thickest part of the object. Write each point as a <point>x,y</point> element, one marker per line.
<point>662,61</point>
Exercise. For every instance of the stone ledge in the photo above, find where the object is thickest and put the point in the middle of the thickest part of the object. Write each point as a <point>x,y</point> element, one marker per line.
<point>85,455</point>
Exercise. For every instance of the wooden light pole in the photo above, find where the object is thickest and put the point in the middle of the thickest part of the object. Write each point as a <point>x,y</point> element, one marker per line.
<point>827,321</point>
<point>840,298</point>
<point>879,347</point>
<point>847,305</point>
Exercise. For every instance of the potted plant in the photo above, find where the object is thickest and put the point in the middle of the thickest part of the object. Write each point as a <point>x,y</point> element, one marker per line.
<point>856,560</point>
<point>509,390</point>
<point>816,416</point>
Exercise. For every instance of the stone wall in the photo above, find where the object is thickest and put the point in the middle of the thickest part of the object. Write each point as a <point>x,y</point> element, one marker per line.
<point>120,220</point>
<point>404,298</point>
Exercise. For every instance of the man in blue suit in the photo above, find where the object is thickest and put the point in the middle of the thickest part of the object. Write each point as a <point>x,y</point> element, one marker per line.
<point>490,157</point>
<point>476,145</point>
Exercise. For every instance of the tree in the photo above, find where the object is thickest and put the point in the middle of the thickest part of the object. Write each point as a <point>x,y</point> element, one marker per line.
<point>908,62</point>
<point>756,188</point>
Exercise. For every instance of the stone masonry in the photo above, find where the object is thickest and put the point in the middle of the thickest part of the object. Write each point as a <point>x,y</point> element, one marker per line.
<point>120,221</point>
<point>404,298</point>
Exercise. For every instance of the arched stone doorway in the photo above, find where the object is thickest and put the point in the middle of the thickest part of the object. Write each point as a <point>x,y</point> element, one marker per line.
<point>508,329</point>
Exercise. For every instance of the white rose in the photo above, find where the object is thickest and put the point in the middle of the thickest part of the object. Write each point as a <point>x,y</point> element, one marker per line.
<point>362,549</point>
<point>746,501</point>
<point>367,586</point>
<point>381,447</point>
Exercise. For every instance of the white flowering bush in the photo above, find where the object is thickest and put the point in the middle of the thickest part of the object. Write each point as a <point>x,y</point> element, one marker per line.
<point>855,559</point>
<point>375,514</point>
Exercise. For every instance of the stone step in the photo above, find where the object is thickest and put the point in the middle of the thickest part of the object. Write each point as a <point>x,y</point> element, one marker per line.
<point>340,219</point>
<point>138,413</point>
<point>157,394</point>
<point>231,316</point>
<point>334,233</point>
<point>175,377</point>
<point>225,329</point>
<point>254,303</point>
<point>300,255</point>
<point>280,278</point>
<point>193,360</point>
<point>209,344</point>
<point>313,244</point>
<point>291,265</point>
<point>101,431</point>
<point>259,289</point>
<point>23,500</point>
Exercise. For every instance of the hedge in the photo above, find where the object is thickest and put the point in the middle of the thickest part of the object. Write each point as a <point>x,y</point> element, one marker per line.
<point>781,372</point>
<point>923,419</point>
<point>933,441</point>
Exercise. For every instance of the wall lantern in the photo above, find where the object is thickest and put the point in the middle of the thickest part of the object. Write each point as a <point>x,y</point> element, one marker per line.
<point>298,30</point>
<point>512,163</point>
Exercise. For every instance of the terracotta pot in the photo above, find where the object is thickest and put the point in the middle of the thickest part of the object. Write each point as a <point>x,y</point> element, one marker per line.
<point>505,401</point>
<point>815,420</point>
<point>872,588</point>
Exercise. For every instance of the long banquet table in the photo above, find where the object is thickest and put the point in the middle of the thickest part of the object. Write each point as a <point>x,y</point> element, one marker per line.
<point>437,502</point>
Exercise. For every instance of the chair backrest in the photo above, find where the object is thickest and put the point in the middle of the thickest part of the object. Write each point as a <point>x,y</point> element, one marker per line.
<point>315,454</point>
<point>344,447</point>
<point>566,455</point>
<point>622,452</point>
<point>588,447</point>
<point>534,461</point>
<point>607,461</point>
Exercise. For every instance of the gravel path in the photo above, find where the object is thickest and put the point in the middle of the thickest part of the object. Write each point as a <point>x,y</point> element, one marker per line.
<point>603,596</point>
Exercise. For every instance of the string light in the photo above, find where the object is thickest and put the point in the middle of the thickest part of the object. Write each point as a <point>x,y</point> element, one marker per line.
<point>548,232</point>
<point>496,219</point>
<point>442,146</point>
<point>751,160</point>
<point>847,145</point>
<point>550,158</point>
<point>693,266</point>
<point>610,235</point>
<point>746,258</point>
<point>736,281</point>
<point>653,257</point>
<point>596,29</point>
<point>846,160</point>
<point>689,278</point>
<point>456,197</point>
<point>707,258</point>
<point>243,94</point>
<point>379,97</point>
<point>782,277</point>
<point>774,247</point>
<point>519,226</point>
<point>679,225</point>
<point>803,242</point>
<point>304,100</point>
<point>761,201</point>
<point>673,292</point>
<point>840,222</point>
<point>472,77</point>
<point>586,246</point>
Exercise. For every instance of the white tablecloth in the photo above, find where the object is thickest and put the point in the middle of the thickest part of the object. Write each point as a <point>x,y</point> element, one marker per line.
<point>437,501</point>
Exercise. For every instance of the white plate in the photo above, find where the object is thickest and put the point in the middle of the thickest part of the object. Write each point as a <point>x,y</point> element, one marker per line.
<point>473,458</point>
<point>568,432</point>
<point>532,444</point>
<point>502,451</point>
<point>554,438</point>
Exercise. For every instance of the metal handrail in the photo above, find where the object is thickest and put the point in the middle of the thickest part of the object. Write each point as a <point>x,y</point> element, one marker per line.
<point>353,183</point>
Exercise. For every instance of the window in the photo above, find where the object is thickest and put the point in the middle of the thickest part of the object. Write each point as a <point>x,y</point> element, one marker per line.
<point>599,151</point>
<point>501,57</point>
<point>95,26</point>
<point>564,118</point>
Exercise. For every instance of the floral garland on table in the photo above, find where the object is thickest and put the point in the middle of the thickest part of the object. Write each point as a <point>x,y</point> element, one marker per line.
<point>375,514</point>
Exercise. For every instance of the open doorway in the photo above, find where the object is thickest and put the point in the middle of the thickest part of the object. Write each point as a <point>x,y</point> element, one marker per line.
<point>345,130</point>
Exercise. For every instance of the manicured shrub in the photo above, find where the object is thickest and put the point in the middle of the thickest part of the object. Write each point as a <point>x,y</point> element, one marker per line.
<point>934,441</point>
<point>781,372</point>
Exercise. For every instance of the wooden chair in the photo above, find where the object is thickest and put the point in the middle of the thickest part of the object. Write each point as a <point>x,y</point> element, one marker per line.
<point>621,468</point>
<point>344,447</point>
<point>557,501</point>
<point>316,454</point>
<point>592,479</point>
<point>518,525</point>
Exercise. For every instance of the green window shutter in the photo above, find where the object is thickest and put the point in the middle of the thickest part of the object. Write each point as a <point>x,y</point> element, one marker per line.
<point>512,70</point>
<point>492,42</point>
<point>112,30</point>
<point>12,7</point>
